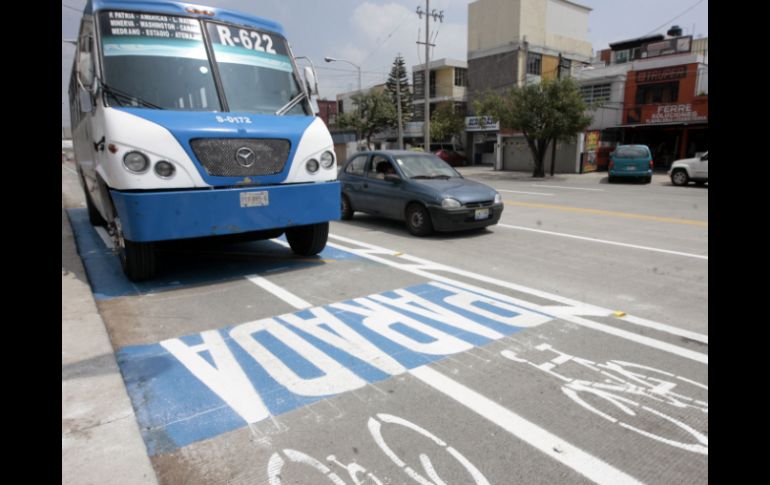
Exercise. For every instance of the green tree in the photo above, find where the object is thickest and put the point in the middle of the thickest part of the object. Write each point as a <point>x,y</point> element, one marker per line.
<point>551,111</point>
<point>398,80</point>
<point>447,123</point>
<point>374,112</point>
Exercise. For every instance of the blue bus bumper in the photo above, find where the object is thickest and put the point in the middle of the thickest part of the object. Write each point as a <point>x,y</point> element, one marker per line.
<point>158,216</point>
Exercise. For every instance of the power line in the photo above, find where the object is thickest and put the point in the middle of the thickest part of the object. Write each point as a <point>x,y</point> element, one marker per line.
<point>669,21</point>
<point>78,10</point>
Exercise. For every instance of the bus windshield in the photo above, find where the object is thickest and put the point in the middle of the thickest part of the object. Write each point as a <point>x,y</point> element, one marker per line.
<point>161,61</point>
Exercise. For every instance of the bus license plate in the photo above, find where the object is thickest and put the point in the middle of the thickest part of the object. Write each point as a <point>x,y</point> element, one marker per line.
<point>482,214</point>
<point>254,199</point>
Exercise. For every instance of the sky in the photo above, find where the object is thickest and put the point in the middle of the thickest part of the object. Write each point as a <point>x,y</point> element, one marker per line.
<point>371,33</point>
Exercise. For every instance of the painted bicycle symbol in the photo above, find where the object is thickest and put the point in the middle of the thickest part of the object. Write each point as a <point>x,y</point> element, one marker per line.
<point>359,475</point>
<point>632,396</point>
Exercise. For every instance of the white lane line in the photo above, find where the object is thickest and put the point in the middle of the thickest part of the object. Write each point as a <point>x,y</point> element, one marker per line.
<point>604,241</point>
<point>520,192</point>
<point>105,236</point>
<point>568,188</point>
<point>281,293</point>
<point>587,465</point>
<point>425,268</point>
<point>69,169</point>
<point>666,328</point>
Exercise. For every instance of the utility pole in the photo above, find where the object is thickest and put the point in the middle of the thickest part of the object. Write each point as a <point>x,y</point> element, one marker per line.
<point>400,126</point>
<point>437,16</point>
<point>553,153</point>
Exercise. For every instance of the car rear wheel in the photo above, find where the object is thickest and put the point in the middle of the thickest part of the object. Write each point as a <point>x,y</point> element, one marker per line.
<point>679,177</point>
<point>418,220</point>
<point>347,209</point>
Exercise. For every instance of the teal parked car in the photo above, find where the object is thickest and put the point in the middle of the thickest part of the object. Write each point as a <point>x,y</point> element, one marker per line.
<point>631,161</point>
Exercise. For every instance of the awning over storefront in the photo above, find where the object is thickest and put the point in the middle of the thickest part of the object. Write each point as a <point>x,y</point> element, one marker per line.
<point>694,124</point>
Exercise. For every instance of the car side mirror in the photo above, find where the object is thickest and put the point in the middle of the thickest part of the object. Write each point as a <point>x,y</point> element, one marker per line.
<point>392,177</point>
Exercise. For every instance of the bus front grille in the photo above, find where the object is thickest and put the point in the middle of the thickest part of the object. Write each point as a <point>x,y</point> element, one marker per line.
<point>241,157</point>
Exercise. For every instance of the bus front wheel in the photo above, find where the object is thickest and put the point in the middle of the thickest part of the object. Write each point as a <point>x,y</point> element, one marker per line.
<point>308,240</point>
<point>136,258</point>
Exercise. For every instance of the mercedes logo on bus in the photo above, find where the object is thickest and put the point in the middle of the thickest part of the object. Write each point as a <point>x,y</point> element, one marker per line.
<point>245,157</point>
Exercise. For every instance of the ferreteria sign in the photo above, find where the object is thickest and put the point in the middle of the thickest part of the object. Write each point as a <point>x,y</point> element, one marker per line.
<point>674,112</point>
<point>660,75</point>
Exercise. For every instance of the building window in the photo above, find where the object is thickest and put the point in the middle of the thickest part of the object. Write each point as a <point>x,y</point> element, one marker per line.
<point>597,93</point>
<point>621,57</point>
<point>461,77</point>
<point>657,93</point>
<point>565,68</point>
<point>432,84</point>
<point>419,90</point>
<point>534,64</point>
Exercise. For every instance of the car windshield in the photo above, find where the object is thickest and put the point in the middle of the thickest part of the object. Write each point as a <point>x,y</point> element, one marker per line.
<point>161,61</point>
<point>425,167</point>
<point>631,152</point>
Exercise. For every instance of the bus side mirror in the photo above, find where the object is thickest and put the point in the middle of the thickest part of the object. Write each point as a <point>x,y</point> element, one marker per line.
<point>86,65</point>
<point>310,81</point>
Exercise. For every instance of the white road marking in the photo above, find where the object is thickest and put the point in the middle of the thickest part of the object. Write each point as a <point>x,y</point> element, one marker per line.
<point>568,188</point>
<point>423,267</point>
<point>281,293</point>
<point>604,241</point>
<point>519,192</point>
<point>105,237</point>
<point>69,169</point>
<point>587,465</point>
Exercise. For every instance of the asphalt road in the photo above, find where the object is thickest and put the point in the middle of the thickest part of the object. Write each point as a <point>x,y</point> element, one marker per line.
<point>567,344</point>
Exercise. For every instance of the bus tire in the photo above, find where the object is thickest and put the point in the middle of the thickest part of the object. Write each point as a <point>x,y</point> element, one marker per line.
<point>94,217</point>
<point>138,260</point>
<point>308,240</point>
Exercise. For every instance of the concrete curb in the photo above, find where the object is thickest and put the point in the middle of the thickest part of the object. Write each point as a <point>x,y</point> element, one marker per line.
<point>101,442</point>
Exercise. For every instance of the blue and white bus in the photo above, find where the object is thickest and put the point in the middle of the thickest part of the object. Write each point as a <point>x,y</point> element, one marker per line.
<point>191,121</point>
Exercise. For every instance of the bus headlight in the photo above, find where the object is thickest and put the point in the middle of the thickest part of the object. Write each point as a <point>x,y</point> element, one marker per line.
<point>327,159</point>
<point>136,162</point>
<point>311,165</point>
<point>165,169</point>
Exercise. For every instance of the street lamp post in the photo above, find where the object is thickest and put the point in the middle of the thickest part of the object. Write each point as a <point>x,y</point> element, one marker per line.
<point>332,59</point>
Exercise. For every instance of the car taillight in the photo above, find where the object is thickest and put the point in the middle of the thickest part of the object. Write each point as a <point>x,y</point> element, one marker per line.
<point>651,164</point>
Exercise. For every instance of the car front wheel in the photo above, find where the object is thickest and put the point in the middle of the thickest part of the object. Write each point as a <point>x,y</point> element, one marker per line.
<point>418,220</point>
<point>347,209</point>
<point>679,177</point>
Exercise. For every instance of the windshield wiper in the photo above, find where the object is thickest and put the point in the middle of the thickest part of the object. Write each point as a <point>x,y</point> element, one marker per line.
<point>118,95</point>
<point>290,104</point>
<point>431,177</point>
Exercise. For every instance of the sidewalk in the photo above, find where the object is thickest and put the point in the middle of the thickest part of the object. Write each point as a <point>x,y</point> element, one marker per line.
<point>487,172</point>
<point>100,437</point>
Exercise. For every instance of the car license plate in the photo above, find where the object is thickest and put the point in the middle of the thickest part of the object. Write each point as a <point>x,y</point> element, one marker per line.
<point>481,214</point>
<point>631,167</point>
<point>254,199</point>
